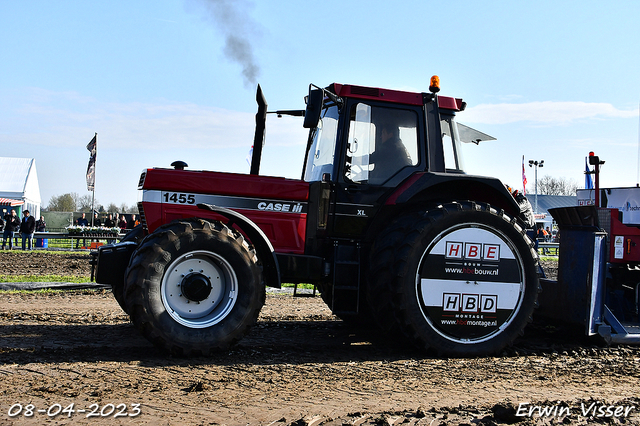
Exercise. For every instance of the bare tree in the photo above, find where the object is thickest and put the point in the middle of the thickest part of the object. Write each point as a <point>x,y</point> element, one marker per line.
<point>84,203</point>
<point>63,203</point>
<point>72,202</point>
<point>557,186</point>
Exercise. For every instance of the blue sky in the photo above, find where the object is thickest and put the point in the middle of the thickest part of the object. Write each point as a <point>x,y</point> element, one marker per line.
<point>158,81</point>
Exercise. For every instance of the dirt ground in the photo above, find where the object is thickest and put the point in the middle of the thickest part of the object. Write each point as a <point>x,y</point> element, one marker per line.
<point>69,351</point>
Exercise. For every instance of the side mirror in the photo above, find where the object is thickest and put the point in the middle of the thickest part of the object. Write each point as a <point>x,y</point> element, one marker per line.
<point>314,107</point>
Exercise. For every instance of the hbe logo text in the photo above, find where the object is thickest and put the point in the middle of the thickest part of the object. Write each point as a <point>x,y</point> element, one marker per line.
<point>472,251</point>
<point>470,303</point>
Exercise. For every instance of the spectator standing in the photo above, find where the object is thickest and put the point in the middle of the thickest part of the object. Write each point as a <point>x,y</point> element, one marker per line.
<point>27,229</point>
<point>133,222</point>
<point>41,225</point>
<point>11,224</point>
<point>95,222</point>
<point>82,221</point>
<point>122,222</point>
<point>109,222</point>
<point>542,237</point>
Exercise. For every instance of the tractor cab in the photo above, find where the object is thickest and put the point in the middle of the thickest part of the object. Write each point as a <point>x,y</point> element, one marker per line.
<point>386,135</point>
<point>369,142</point>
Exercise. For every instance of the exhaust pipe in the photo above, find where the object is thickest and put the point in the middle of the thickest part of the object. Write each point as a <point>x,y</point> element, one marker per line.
<point>258,139</point>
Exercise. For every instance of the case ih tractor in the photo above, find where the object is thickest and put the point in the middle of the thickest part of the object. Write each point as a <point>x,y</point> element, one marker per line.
<point>383,221</point>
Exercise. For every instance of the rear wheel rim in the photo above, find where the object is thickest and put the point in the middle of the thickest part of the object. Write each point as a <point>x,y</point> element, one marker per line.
<point>203,308</point>
<point>471,283</point>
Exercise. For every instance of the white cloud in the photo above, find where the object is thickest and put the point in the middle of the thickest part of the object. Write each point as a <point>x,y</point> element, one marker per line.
<point>545,113</point>
<point>64,119</point>
<point>54,128</point>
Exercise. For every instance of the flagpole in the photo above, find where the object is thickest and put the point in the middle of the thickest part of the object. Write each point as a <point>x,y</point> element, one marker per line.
<point>93,193</point>
<point>93,187</point>
<point>93,197</point>
<point>524,179</point>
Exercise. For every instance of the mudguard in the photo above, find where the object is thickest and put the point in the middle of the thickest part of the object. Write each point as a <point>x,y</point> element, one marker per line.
<point>260,241</point>
<point>441,186</point>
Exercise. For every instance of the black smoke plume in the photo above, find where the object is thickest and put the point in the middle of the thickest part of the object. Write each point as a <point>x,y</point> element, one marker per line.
<point>233,20</point>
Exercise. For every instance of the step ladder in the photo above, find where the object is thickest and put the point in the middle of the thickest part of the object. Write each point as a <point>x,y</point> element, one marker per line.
<point>346,277</point>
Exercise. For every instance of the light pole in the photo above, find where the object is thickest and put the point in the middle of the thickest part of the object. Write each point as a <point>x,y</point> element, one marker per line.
<point>536,164</point>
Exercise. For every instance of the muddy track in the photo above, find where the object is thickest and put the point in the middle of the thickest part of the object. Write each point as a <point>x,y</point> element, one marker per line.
<point>299,365</point>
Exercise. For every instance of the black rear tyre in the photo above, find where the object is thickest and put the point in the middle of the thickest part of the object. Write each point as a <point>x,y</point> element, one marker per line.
<point>193,287</point>
<point>135,235</point>
<point>460,279</point>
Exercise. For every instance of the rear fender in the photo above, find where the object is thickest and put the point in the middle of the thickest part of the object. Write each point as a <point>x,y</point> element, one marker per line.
<point>260,241</point>
<point>425,188</point>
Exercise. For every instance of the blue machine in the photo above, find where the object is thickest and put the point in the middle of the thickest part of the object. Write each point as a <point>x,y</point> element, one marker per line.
<point>598,279</point>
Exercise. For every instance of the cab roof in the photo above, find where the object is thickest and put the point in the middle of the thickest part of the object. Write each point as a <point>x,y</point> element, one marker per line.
<point>395,96</point>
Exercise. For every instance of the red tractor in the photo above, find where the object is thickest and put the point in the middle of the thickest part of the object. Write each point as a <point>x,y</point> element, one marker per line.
<point>383,221</point>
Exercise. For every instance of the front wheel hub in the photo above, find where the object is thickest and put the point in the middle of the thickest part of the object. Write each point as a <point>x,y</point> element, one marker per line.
<point>199,289</point>
<point>196,287</point>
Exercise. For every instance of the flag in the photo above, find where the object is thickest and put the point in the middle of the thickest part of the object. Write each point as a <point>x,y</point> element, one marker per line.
<point>524,179</point>
<point>250,155</point>
<point>588,183</point>
<point>91,169</point>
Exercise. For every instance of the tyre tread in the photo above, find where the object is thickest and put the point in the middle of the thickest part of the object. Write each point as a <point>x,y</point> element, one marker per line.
<point>150,259</point>
<point>389,257</point>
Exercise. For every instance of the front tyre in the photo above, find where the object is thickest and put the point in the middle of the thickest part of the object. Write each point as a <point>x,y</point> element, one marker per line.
<point>193,287</point>
<point>460,279</point>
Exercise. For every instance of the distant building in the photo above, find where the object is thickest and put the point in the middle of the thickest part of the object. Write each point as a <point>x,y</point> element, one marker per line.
<point>546,202</point>
<point>19,187</point>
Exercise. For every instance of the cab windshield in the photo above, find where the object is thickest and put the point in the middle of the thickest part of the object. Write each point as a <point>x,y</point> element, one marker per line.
<point>323,145</point>
<point>451,144</point>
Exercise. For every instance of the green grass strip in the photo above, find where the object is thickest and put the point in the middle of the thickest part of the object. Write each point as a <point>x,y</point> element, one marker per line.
<point>308,286</point>
<point>42,279</point>
<point>55,290</point>
<point>54,252</point>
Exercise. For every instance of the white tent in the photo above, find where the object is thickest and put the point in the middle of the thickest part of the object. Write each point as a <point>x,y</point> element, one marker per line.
<point>19,181</point>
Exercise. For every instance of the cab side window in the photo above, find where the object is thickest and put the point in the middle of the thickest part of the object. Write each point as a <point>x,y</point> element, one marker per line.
<point>382,141</point>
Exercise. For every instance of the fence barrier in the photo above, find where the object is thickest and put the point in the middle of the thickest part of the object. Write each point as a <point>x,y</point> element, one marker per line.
<point>45,240</point>
<point>548,248</point>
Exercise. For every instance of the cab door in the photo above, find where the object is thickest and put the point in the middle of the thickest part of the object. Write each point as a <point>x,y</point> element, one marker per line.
<point>380,149</point>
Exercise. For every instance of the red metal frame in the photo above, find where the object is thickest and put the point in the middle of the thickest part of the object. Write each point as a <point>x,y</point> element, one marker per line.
<point>207,182</point>
<point>285,230</point>
<point>631,240</point>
